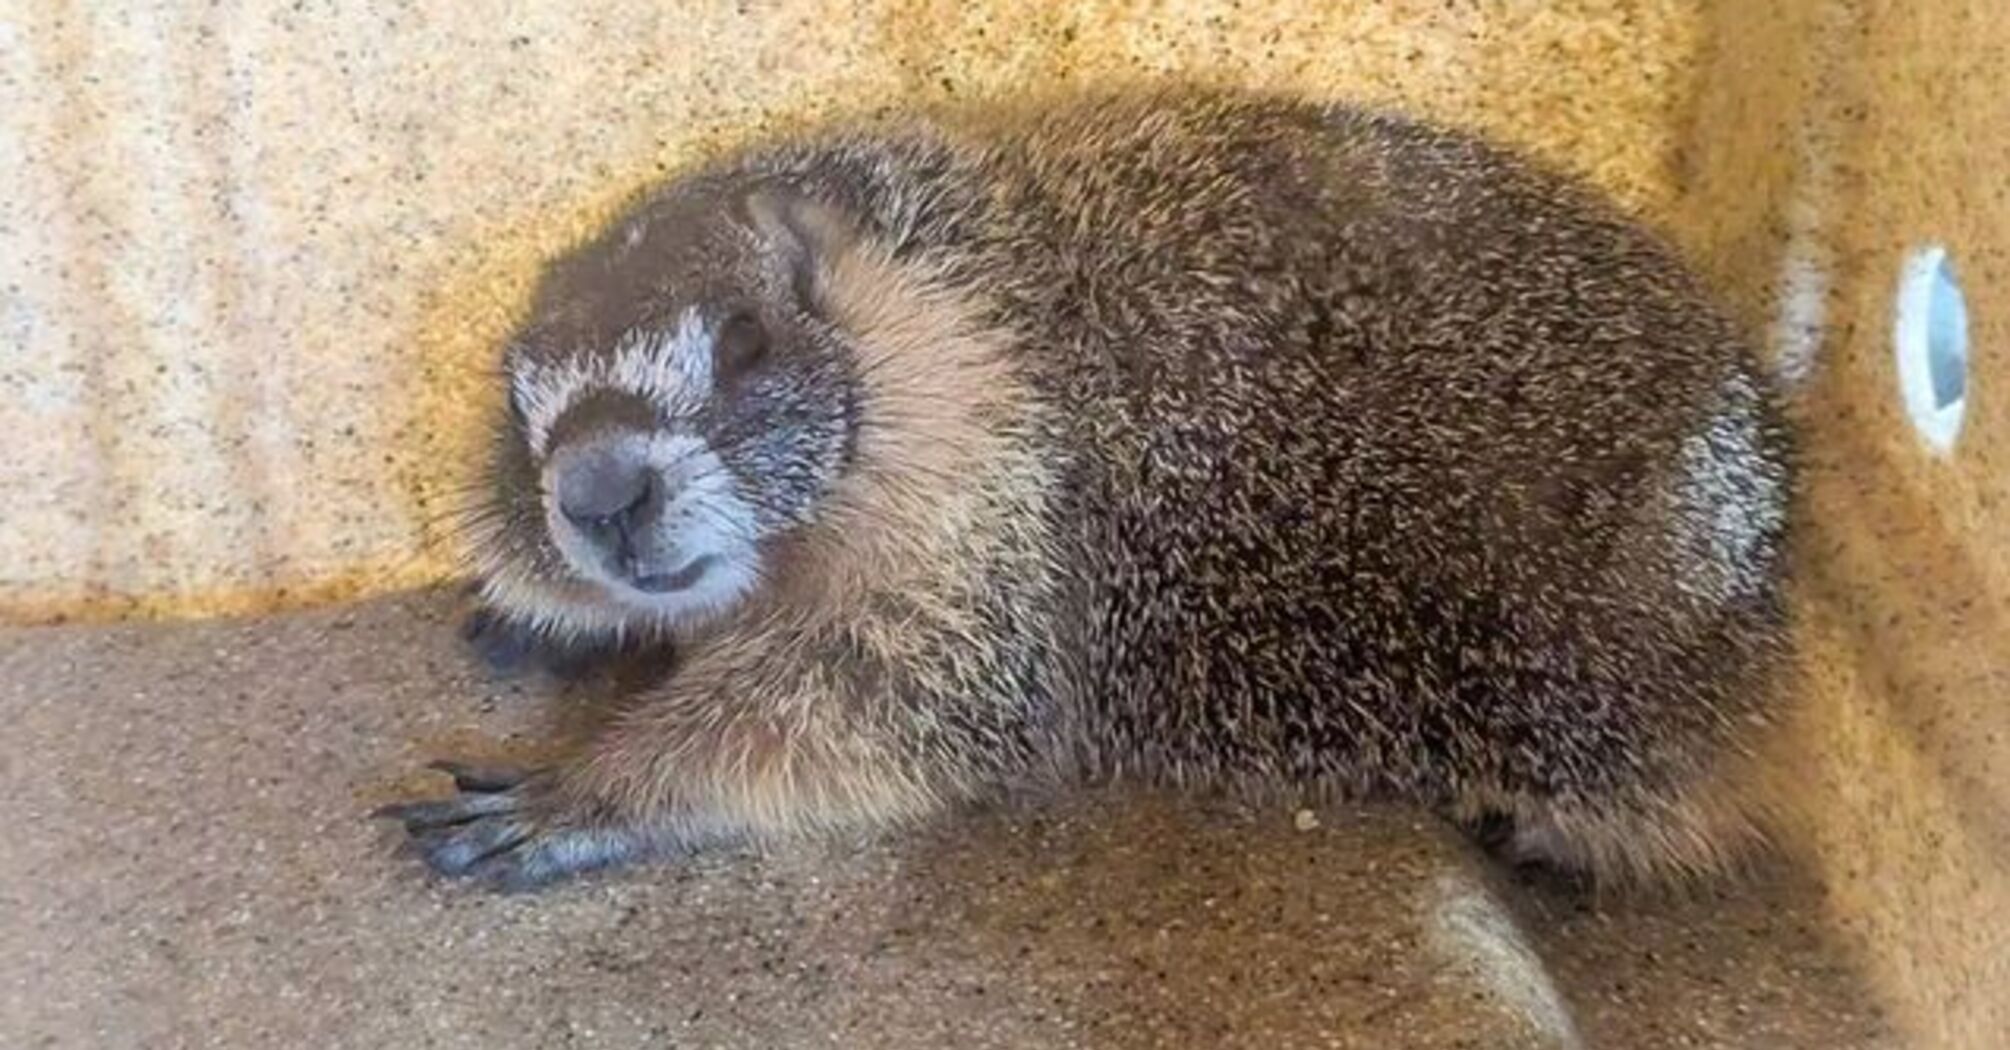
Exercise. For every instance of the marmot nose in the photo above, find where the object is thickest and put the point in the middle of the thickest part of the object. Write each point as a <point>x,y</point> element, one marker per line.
<point>603,488</point>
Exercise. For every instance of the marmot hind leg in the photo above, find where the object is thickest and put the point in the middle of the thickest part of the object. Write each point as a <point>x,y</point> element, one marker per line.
<point>1638,839</point>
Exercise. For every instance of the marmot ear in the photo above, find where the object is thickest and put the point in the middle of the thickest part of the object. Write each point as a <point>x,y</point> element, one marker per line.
<point>802,236</point>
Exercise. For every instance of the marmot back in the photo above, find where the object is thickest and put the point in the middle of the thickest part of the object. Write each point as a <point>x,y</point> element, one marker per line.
<point>1201,436</point>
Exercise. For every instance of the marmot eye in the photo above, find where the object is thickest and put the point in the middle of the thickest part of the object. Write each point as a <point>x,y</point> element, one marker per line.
<point>740,344</point>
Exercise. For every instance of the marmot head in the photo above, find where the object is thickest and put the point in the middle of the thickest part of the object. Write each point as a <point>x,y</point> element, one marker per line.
<point>679,399</point>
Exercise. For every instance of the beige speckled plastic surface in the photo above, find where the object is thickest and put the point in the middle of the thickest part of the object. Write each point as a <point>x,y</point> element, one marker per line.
<point>254,260</point>
<point>187,864</point>
<point>1907,734</point>
<point>1828,142</point>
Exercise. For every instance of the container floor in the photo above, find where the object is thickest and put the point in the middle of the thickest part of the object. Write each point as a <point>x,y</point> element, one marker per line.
<point>188,862</point>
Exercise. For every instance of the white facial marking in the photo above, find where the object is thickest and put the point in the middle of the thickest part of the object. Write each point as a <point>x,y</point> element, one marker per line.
<point>704,518</point>
<point>672,370</point>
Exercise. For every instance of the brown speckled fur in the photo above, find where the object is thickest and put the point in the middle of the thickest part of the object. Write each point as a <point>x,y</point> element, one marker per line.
<point>1211,439</point>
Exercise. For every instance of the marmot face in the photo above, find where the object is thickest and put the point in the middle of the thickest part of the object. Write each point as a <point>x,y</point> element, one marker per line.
<point>677,403</point>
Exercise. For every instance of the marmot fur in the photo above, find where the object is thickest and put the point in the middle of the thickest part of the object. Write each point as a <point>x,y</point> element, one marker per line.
<point>1186,435</point>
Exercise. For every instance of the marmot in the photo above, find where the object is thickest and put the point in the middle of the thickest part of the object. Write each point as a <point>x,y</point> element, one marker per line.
<point>1186,435</point>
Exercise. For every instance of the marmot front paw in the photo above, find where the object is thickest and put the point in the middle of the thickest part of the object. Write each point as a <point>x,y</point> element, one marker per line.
<point>509,828</point>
